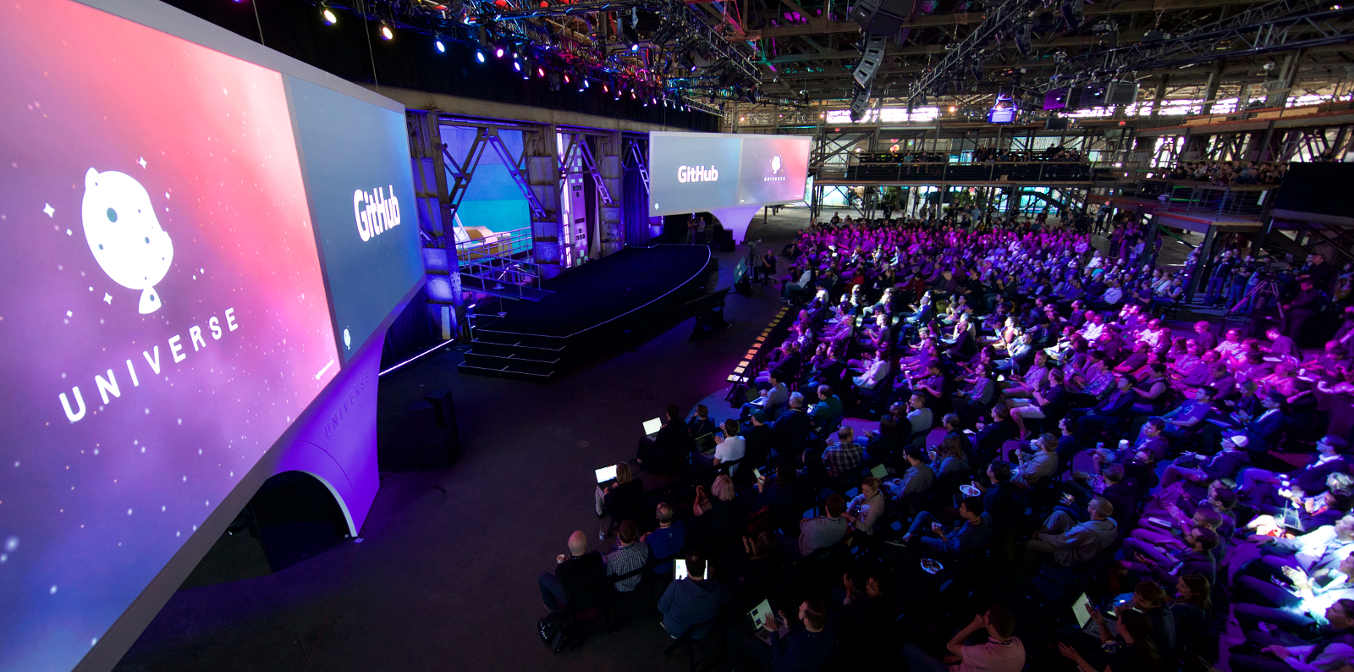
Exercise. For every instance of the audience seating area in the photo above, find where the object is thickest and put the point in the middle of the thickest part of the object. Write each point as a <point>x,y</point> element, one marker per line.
<point>985,447</point>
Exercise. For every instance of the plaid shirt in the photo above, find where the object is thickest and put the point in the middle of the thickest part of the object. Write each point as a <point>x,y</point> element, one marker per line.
<point>627,559</point>
<point>843,458</point>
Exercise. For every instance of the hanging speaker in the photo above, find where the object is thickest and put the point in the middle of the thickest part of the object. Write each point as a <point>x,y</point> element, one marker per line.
<point>881,17</point>
<point>1121,93</point>
<point>869,62</point>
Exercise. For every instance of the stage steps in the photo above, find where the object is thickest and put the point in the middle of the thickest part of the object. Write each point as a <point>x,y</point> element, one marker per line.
<point>475,283</point>
<point>514,356</point>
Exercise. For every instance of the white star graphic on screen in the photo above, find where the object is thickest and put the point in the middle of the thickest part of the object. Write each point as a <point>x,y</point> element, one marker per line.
<point>108,298</point>
<point>47,208</point>
<point>142,161</point>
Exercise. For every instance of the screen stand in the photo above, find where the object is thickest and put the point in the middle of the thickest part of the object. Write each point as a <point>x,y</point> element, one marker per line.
<point>736,219</point>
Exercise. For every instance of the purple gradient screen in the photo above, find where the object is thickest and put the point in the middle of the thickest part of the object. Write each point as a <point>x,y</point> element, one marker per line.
<point>163,318</point>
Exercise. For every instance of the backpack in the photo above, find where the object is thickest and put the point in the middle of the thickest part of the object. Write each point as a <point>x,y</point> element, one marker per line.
<point>551,627</point>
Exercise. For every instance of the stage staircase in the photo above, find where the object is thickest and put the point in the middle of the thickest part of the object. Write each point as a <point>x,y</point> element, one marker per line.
<point>515,356</point>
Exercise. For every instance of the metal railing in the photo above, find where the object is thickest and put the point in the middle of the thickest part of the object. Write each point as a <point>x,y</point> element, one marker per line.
<point>1212,200</point>
<point>991,171</point>
<point>502,264</point>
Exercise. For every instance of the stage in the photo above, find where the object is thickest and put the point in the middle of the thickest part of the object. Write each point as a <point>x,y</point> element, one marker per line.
<point>588,307</point>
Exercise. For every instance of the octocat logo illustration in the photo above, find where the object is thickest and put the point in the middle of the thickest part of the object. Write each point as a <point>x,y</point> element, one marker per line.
<point>124,235</point>
<point>775,164</point>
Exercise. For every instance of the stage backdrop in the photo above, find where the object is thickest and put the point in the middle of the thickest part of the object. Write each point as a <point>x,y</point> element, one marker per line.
<point>165,317</point>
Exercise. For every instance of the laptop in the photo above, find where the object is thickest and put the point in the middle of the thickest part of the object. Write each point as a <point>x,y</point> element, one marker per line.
<point>752,394</point>
<point>1291,519</point>
<point>1082,610</point>
<point>651,427</point>
<point>705,443</point>
<point>760,616</point>
<point>879,471</point>
<point>606,474</point>
<point>679,570</point>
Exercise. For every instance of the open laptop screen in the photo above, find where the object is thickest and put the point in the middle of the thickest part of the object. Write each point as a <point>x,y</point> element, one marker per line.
<point>651,427</point>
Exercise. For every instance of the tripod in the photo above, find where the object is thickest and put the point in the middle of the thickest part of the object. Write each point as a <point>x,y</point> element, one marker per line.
<point>1257,299</point>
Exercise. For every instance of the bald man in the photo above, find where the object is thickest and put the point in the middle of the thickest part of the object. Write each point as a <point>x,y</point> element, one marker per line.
<point>579,580</point>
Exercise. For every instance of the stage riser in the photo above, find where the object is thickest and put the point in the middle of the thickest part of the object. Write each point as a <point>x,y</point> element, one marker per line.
<point>543,344</point>
<point>505,350</point>
<point>508,373</point>
<point>475,358</point>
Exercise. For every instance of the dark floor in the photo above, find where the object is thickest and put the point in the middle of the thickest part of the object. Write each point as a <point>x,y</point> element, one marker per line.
<point>445,574</point>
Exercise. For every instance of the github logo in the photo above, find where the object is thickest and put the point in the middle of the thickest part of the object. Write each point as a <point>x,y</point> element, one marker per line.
<point>124,235</point>
<point>775,165</point>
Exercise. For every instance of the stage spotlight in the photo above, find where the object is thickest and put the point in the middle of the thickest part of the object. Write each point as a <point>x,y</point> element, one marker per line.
<point>329,17</point>
<point>441,48</point>
<point>566,78</point>
<point>540,72</point>
<point>386,32</point>
<point>585,84</point>
<point>634,47</point>
<point>517,65</point>
<point>479,55</point>
<point>606,88</point>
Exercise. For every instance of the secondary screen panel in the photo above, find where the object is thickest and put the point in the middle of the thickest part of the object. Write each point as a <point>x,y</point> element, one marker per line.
<point>773,169</point>
<point>691,172</point>
<point>356,158</point>
<point>164,315</point>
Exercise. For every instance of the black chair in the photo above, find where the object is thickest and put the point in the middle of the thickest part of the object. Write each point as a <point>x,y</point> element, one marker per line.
<point>685,641</point>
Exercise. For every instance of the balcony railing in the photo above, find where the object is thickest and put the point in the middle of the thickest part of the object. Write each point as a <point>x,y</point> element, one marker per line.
<point>993,171</point>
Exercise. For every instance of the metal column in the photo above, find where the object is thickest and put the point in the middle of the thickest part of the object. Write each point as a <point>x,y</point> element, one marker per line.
<point>436,220</point>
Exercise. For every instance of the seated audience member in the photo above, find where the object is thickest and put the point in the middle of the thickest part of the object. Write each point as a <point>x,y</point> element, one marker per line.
<point>666,542</point>
<point>692,601</point>
<point>699,424</point>
<point>809,646</point>
<point>623,499</point>
<point>865,509</point>
<point>1002,652</point>
<point>1226,463</point>
<point>950,457</point>
<point>1192,610</point>
<point>771,401</point>
<point>1050,401</point>
<point>669,447</point>
<point>1260,484</point>
<point>792,427</point>
<point>758,439</point>
<point>729,446</point>
<point>828,412</point>
<point>968,537</point>
<point>990,438</point>
<point>918,415</point>
<point>1039,465</point>
<point>1133,651</point>
<point>1188,416</point>
<point>824,531</point>
<point>1332,649</point>
<point>999,496</point>
<point>1069,543</point>
<point>844,457</point>
<point>919,475</point>
<point>579,580</point>
<point>1297,604</point>
<point>631,554</point>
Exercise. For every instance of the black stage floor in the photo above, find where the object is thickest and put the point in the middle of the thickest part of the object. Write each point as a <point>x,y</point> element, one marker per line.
<point>602,291</point>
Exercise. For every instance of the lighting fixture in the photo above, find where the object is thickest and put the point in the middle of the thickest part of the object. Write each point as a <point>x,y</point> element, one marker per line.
<point>517,65</point>
<point>441,48</point>
<point>329,17</point>
<point>479,55</point>
<point>540,72</point>
<point>386,32</point>
<point>498,53</point>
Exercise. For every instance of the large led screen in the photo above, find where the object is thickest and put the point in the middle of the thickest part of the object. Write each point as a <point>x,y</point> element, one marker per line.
<point>356,160</point>
<point>692,172</point>
<point>163,318</point>
<point>774,169</point>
